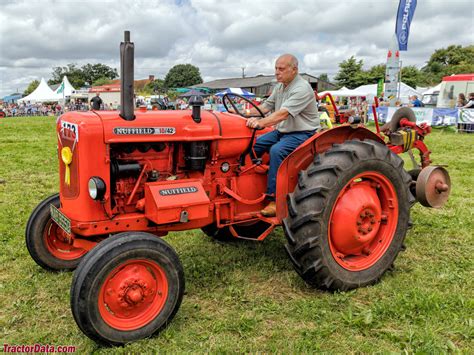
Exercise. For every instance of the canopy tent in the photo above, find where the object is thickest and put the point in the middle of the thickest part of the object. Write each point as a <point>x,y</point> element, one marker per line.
<point>64,89</point>
<point>371,90</point>
<point>432,90</point>
<point>342,92</point>
<point>42,94</point>
<point>238,91</point>
<point>193,93</point>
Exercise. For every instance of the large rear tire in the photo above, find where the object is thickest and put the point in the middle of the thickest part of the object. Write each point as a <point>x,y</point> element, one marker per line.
<point>47,243</point>
<point>348,216</point>
<point>127,288</point>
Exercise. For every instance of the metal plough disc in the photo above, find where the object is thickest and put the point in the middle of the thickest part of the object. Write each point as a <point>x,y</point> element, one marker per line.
<point>433,186</point>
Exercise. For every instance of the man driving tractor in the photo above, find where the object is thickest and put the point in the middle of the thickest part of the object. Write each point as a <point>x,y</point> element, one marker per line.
<point>295,118</point>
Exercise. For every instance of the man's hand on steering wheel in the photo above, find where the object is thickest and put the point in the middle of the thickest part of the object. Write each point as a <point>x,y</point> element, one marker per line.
<point>252,122</point>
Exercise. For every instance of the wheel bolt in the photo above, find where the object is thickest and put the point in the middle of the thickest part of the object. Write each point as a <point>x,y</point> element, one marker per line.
<point>110,291</point>
<point>359,223</point>
<point>372,221</point>
<point>370,229</point>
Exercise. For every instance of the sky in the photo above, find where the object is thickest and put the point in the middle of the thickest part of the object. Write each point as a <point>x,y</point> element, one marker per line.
<point>220,37</point>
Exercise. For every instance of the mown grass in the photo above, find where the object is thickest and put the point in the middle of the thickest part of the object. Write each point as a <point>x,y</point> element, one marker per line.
<point>245,296</point>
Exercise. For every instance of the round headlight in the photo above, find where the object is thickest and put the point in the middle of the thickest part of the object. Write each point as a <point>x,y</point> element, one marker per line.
<point>225,167</point>
<point>96,188</point>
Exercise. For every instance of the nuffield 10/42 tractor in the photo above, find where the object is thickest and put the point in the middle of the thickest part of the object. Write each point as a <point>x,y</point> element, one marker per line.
<point>130,177</point>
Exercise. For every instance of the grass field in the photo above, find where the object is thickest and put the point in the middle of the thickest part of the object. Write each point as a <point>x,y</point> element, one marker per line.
<point>245,296</point>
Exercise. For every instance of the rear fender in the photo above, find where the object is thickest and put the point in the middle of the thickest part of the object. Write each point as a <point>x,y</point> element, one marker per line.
<point>287,176</point>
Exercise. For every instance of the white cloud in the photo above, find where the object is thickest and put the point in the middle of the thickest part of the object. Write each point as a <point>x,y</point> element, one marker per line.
<point>220,37</point>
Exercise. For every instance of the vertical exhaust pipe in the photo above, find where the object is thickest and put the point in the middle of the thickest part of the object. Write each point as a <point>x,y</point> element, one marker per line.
<point>127,49</point>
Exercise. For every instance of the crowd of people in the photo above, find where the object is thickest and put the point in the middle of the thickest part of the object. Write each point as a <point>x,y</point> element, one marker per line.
<point>361,106</point>
<point>31,109</point>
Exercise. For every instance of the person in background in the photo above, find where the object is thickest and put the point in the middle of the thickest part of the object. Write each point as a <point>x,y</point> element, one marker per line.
<point>416,102</point>
<point>461,100</point>
<point>96,102</point>
<point>470,103</point>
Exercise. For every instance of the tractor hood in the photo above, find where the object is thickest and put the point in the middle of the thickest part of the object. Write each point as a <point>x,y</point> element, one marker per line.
<point>168,126</point>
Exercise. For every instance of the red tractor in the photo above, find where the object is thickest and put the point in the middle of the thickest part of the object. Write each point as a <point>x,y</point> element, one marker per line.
<point>343,199</point>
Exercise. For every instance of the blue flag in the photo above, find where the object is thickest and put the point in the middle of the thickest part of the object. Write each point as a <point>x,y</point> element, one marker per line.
<point>406,10</point>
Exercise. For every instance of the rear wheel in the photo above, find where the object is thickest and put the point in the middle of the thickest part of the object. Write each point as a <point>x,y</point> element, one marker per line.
<point>127,288</point>
<point>348,216</point>
<point>47,243</point>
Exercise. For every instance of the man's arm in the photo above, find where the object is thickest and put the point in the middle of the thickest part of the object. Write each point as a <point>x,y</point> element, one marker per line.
<point>271,120</point>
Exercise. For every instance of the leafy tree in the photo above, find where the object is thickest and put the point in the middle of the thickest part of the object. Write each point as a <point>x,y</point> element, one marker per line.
<point>454,59</point>
<point>156,86</point>
<point>89,73</point>
<point>73,73</point>
<point>182,75</point>
<point>102,81</point>
<point>31,87</point>
<point>375,73</point>
<point>93,72</point>
<point>324,77</point>
<point>411,76</point>
<point>350,73</point>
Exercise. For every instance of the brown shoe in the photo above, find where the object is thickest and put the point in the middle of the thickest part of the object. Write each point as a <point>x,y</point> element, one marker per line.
<point>270,210</point>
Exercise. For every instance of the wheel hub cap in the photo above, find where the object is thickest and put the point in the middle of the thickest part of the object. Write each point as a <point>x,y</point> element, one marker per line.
<point>133,294</point>
<point>356,218</point>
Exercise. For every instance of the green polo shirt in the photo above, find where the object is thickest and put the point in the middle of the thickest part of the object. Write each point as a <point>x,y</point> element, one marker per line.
<point>299,100</point>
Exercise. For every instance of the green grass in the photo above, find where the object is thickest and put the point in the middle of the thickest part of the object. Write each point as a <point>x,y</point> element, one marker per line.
<point>245,296</point>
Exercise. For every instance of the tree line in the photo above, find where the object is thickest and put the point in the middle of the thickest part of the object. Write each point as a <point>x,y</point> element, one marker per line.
<point>453,59</point>
<point>443,62</point>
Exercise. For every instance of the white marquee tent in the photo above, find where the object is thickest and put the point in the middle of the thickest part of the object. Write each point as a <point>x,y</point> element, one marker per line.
<point>342,92</point>
<point>43,93</point>
<point>370,90</point>
<point>432,90</point>
<point>405,91</point>
<point>64,89</point>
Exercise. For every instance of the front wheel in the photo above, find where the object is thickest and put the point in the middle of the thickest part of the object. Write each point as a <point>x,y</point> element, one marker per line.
<point>49,246</point>
<point>348,216</point>
<point>127,288</point>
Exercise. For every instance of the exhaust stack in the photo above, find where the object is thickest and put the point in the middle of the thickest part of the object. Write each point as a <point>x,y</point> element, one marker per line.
<point>127,49</point>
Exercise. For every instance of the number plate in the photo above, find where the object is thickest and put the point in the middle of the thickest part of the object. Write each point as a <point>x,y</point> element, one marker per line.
<point>60,219</point>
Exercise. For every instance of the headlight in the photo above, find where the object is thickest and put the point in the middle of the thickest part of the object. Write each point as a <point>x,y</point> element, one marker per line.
<point>96,188</point>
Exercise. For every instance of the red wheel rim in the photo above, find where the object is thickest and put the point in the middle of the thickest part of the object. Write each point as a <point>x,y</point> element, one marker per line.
<point>58,243</point>
<point>133,294</point>
<point>363,221</point>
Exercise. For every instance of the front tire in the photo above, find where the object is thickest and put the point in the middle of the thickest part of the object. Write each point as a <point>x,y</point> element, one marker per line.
<point>47,244</point>
<point>348,216</point>
<point>127,288</point>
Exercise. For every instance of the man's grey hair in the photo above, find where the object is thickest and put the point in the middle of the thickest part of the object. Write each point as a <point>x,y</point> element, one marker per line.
<point>292,58</point>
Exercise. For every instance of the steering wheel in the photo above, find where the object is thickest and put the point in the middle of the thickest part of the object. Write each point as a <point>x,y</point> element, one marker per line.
<point>226,97</point>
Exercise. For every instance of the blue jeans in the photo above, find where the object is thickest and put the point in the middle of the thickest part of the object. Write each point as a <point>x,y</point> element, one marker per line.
<point>280,145</point>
